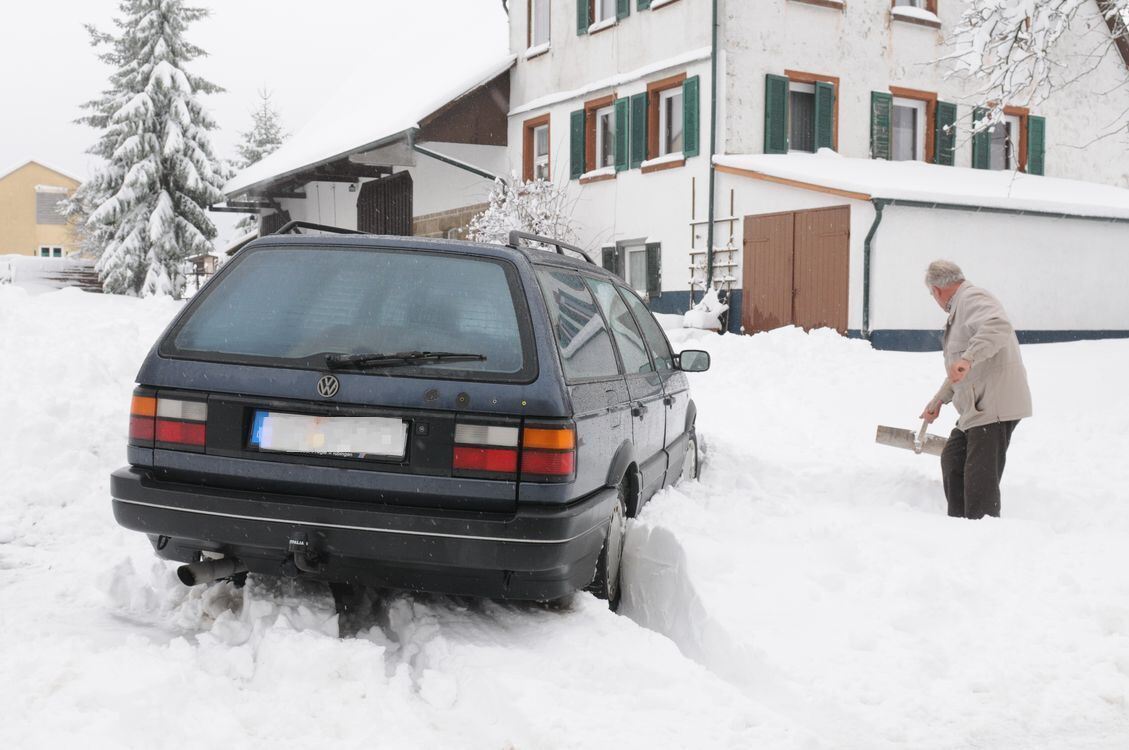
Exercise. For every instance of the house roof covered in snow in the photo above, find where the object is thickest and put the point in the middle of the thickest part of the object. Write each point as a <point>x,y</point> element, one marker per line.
<point>62,173</point>
<point>368,113</point>
<point>868,179</point>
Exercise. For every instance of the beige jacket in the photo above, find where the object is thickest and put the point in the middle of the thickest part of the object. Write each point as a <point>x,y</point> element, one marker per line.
<point>995,389</point>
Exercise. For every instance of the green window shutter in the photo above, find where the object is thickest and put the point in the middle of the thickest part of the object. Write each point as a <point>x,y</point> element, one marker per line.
<point>643,4</point>
<point>775,114</point>
<point>881,112</point>
<point>824,115</point>
<point>945,141</point>
<point>576,144</point>
<point>981,143</point>
<point>638,129</point>
<point>1036,144</point>
<point>608,259</point>
<point>622,9</point>
<point>622,133</point>
<point>690,125</point>
<point>582,21</point>
<point>654,269</point>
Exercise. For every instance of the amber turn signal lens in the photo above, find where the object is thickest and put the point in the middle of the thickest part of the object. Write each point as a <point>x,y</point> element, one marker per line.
<point>558,440</point>
<point>143,406</point>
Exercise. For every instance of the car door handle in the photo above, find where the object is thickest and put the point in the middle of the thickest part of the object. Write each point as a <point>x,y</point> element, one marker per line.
<point>639,409</point>
<point>669,401</point>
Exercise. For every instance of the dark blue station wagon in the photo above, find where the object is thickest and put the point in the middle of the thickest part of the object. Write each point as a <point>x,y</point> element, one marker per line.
<point>420,414</point>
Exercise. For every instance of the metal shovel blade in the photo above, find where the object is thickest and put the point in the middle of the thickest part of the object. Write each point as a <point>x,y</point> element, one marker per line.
<point>919,442</point>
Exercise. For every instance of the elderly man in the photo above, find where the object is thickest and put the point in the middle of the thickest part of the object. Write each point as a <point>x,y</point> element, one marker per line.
<point>987,384</point>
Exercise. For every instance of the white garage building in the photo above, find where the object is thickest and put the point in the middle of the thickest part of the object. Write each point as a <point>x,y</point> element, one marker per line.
<point>843,243</point>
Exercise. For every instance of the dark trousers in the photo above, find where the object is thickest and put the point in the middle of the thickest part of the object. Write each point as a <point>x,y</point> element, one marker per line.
<point>972,465</point>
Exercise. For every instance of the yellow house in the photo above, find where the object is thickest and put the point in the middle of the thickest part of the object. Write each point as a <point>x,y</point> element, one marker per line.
<point>29,220</point>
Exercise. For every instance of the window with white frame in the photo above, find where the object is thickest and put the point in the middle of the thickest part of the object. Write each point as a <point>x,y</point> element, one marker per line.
<point>538,23</point>
<point>801,116</point>
<point>1004,140</point>
<point>910,4</point>
<point>670,121</point>
<point>541,153</point>
<point>635,267</point>
<point>637,262</point>
<point>604,10</point>
<point>605,137</point>
<point>907,130</point>
<point>46,251</point>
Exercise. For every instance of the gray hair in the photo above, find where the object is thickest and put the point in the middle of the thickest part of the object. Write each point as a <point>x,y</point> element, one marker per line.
<point>943,273</point>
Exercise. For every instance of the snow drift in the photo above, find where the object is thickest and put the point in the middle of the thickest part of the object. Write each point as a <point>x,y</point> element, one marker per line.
<point>808,592</point>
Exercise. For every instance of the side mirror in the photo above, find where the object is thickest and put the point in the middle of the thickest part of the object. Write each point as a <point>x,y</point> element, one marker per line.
<point>694,360</point>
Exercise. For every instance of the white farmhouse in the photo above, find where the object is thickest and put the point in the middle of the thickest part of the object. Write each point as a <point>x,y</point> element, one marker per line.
<point>618,99</point>
<point>808,158</point>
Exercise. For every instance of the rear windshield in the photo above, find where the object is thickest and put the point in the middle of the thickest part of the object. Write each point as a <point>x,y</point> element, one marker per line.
<point>295,306</point>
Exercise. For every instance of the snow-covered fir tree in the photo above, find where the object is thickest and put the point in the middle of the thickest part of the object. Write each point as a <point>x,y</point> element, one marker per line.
<point>1016,48</point>
<point>538,206</point>
<point>147,204</point>
<point>264,138</point>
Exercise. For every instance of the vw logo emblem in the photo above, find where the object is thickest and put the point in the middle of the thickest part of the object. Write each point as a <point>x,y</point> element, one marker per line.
<point>327,386</point>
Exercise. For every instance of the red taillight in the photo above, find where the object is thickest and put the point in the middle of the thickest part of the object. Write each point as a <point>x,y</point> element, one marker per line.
<point>494,460</point>
<point>548,453</point>
<point>167,422</point>
<point>185,433</point>
<point>142,414</point>
<point>542,452</point>
<point>548,464</point>
<point>485,451</point>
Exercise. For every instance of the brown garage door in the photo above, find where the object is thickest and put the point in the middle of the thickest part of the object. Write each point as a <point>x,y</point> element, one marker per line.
<point>796,269</point>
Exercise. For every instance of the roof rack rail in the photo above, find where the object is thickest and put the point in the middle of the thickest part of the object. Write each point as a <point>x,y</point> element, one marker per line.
<point>515,235</point>
<point>292,227</point>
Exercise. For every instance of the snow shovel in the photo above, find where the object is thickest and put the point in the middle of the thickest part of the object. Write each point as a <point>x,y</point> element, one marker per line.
<point>919,442</point>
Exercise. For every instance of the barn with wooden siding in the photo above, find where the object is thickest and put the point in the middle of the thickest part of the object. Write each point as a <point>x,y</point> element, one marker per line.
<point>829,241</point>
<point>416,155</point>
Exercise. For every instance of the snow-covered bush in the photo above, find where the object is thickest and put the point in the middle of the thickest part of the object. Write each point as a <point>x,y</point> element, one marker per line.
<point>146,206</point>
<point>539,206</point>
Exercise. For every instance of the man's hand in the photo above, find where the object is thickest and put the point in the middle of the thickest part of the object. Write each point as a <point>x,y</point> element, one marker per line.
<point>959,370</point>
<point>932,411</point>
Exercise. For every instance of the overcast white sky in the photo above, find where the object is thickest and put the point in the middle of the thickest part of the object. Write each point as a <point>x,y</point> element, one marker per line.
<point>301,50</point>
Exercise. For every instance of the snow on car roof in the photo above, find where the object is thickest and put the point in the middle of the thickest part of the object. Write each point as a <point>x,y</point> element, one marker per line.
<point>931,183</point>
<point>368,111</point>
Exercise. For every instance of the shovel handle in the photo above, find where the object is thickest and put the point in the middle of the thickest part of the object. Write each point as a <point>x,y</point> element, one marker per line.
<point>919,441</point>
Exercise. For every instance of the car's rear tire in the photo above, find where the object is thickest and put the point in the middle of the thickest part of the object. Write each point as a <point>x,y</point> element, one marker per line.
<point>691,463</point>
<point>606,583</point>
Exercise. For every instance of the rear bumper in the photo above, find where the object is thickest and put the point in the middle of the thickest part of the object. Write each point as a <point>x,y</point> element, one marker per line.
<point>535,553</point>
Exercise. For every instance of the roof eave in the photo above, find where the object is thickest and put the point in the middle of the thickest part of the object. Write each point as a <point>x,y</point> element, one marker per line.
<point>231,193</point>
<point>912,203</point>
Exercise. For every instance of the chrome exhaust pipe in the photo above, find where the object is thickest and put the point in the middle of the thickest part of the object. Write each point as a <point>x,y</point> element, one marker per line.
<point>207,571</point>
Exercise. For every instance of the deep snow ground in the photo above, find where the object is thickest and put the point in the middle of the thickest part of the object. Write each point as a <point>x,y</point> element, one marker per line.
<point>809,592</point>
<point>102,644</point>
<point>828,583</point>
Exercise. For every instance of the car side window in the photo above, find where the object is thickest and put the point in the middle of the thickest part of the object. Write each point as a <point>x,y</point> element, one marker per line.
<point>652,331</point>
<point>627,336</point>
<point>582,338</point>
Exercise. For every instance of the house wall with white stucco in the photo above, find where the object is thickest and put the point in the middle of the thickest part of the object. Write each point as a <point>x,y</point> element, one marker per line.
<point>646,46</point>
<point>868,49</point>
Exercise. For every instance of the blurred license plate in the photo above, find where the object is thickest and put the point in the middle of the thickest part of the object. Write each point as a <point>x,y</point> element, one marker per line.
<point>340,436</point>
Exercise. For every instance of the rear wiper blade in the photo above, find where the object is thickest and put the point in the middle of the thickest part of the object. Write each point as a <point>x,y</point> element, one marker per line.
<point>397,359</point>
